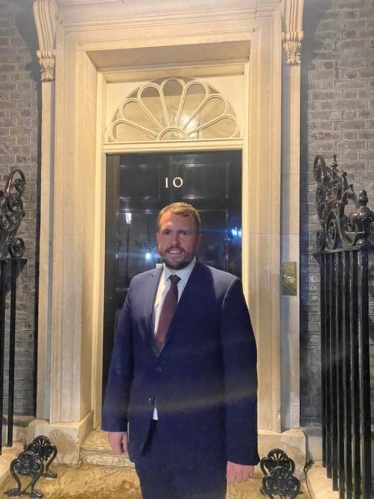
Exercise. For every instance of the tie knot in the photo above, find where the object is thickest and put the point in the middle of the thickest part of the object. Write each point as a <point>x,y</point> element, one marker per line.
<point>174,279</point>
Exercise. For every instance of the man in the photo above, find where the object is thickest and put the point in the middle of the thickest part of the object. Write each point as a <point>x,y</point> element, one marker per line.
<point>184,387</point>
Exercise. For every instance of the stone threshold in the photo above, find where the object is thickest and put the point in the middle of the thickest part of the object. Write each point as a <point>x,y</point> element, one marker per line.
<point>95,450</point>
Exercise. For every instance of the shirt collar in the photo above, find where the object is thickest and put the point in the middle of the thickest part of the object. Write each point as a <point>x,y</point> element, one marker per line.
<point>183,274</point>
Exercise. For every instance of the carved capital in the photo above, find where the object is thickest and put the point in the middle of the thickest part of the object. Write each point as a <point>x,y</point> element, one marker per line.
<point>47,65</point>
<point>45,15</point>
<point>293,34</point>
<point>292,46</point>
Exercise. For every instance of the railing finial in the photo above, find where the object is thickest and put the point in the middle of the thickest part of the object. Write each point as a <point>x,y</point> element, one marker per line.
<point>333,194</point>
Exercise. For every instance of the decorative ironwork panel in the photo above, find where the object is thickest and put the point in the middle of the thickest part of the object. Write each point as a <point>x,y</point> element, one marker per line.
<point>340,228</point>
<point>344,248</point>
<point>42,447</point>
<point>279,481</point>
<point>11,215</point>
<point>27,464</point>
<point>30,463</point>
<point>11,263</point>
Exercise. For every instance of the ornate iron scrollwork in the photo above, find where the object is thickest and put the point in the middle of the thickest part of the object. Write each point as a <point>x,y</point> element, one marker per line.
<point>279,481</point>
<point>11,215</point>
<point>30,463</point>
<point>26,464</point>
<point>46,451</point>
<point>338,228</point>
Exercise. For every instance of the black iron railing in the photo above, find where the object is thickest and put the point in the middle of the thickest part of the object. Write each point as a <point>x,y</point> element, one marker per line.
<point>11,263</point>
<point>345,256</point>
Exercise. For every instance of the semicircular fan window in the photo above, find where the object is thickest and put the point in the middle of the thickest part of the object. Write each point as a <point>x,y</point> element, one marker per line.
<point>173,109</point>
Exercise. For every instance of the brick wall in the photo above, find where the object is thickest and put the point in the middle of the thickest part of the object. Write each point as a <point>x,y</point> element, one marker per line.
<point>337,117</point>
<point>19,145</point>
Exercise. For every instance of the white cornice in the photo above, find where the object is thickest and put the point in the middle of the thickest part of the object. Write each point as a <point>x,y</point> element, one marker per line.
<point>114,15</point>
<point>125,23</point>
<point>82,2</point>
<point>169,5</point>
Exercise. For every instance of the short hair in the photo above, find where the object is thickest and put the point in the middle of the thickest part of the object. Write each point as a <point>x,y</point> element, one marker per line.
<point>182,209</point>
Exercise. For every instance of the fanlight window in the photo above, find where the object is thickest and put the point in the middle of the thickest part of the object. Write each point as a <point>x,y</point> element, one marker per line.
<point>173,109</point>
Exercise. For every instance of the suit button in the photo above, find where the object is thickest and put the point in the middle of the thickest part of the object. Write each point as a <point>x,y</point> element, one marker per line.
<point>150,400</point>
<point>158,369</point>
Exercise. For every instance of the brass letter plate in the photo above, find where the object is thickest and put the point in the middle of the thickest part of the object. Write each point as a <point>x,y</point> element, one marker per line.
<point>289,279</point>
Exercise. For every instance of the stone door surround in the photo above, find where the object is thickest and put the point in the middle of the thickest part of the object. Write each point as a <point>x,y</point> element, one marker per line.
<point>83,46</point>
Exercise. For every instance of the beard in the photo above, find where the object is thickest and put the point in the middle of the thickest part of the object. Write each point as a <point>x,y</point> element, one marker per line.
<point>176,263</point>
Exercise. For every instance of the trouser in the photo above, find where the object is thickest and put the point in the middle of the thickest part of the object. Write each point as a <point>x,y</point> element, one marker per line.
<point>166,474</point>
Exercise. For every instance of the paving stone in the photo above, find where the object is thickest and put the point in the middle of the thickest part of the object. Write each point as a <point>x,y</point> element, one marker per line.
<point>106,482</point>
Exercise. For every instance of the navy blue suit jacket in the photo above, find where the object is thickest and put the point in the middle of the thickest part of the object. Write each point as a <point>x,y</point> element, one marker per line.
<point>204,380</point>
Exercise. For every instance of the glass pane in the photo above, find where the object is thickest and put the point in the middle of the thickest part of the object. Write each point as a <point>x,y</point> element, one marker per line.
<point>195,95</point>
<point>224,128</point>
<point>132,111</point>
<point>172,94</point>
<point>127,133</point>
<point>151,99</point>
<point>214,108</point>
<point>173,135</point>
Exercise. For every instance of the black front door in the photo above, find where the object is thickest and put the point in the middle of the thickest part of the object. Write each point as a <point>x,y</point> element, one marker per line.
<point>138,186</point>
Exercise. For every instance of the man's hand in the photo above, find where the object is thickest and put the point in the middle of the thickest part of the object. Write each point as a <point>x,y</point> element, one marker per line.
<point>118,441</point>
<point>239,472</point>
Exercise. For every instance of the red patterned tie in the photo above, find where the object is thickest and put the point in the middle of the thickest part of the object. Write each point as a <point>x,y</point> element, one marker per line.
<point>167,310</point>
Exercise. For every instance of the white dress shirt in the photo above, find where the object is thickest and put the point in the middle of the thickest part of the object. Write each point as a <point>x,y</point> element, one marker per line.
<point>164,286</point>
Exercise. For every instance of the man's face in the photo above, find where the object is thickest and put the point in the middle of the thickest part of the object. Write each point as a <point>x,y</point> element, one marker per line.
<point>177,240</point>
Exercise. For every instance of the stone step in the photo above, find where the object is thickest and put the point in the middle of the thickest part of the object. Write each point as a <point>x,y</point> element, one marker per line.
<point>95,450</point>
<point>96,454</point>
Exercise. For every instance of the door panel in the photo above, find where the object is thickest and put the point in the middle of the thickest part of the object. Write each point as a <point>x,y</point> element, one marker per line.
<point>138,187</point>
<point>203,181</point>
